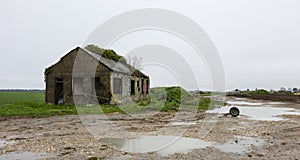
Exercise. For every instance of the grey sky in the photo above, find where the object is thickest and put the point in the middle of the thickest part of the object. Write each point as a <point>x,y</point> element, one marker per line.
<point>258,40</point>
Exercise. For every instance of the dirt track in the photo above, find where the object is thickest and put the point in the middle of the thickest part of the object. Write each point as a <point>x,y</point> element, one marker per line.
<point>65,137</point>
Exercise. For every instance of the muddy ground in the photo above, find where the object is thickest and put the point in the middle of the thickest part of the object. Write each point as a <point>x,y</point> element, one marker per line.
<point>75,137</point>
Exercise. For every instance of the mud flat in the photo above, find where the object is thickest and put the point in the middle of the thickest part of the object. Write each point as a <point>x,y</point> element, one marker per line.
<point>154,135</point>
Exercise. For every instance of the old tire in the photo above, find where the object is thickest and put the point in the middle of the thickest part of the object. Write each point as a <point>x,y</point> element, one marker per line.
<point>234,111</point>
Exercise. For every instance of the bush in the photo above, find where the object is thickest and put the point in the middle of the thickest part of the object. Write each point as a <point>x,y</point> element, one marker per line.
<point>106,53</point>
<point>261,91</point>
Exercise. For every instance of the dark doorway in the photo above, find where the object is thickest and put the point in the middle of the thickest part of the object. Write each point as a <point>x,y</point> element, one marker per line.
<point>143,87</point>
<point>59,90</point>
<point>147,85</point>
<point>99,87</point>
<point>132,92</point>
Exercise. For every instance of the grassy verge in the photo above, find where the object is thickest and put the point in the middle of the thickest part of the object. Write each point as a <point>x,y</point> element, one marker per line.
<point>35,109</point>
<point>162,100</point>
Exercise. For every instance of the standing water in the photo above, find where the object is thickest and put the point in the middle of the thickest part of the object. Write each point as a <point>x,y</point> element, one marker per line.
<point>258,111</point>
<point>166,145</point>
<point>4,143</point>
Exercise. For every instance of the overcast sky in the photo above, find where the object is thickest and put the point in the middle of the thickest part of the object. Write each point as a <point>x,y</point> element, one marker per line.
<point>258,40</point>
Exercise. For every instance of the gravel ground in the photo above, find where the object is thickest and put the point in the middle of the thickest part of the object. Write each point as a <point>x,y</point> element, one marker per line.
<point>77,137</point>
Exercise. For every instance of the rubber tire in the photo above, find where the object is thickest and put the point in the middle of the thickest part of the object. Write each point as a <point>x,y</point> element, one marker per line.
<point>234,111</point>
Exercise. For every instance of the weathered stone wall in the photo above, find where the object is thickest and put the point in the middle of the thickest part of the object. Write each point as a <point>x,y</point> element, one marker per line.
<point>89,68</point>
<point>63,70</point>
<point>86,68</point>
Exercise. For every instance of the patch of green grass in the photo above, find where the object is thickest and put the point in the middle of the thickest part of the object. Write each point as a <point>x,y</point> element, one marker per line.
<point>170,98</point>
<point>162,99</point>
<point>166,99</point>
<point>30,104</point>
<point>204,103</point>
<point>35,109</point>
<point>15,97</point>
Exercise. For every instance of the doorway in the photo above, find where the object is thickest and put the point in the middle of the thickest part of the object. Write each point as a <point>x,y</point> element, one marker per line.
<point>132,91</point>
<point>59,91</point>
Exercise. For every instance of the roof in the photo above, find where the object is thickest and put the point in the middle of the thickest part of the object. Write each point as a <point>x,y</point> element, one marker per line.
<point>115,66</point>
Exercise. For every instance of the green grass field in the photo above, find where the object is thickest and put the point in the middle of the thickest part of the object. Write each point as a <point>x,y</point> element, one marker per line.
<point>30,104</point>
<point>35,109</point>
<point>15,97</point>
<point>162,99</point>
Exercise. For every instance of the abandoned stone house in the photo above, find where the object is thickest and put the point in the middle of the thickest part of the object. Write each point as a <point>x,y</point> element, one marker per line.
<point>84,77</point>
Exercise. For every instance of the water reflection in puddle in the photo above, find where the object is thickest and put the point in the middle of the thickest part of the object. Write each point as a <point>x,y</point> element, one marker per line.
<point>244,103</point>
<point>25,156</point>
<point>4,143</point>
<point>259,113</point>
<point>275,103</point>
<point>240,145</point>
<point>166,145</point>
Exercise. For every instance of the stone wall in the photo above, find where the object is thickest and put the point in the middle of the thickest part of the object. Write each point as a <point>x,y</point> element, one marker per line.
<point>86,68</point>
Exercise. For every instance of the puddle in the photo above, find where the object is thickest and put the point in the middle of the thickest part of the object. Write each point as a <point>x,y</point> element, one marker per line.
<point>242,145</point>
<point>4,143</point>
<point>163,145</point>
<point>275,103</point>
<point>247,102</point>
<point>259,113</point>
<point>183,123</point>
<point>166,145</point>
<point>25,156</point>
<point>244,103</point>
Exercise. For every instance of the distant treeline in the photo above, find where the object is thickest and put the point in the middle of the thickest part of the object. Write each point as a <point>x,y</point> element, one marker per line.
<point>22,90</point>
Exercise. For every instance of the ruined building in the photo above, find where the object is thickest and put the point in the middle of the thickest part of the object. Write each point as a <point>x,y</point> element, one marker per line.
<point>84,77</point>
